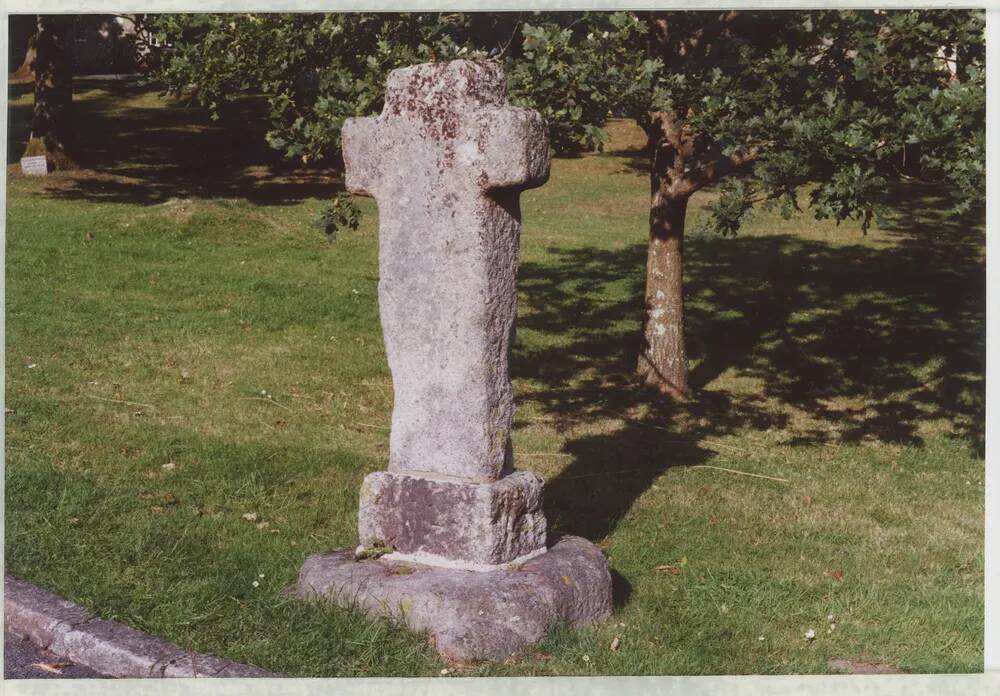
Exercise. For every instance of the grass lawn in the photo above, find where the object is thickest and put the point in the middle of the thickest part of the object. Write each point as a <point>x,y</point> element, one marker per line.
<point>196,385</point>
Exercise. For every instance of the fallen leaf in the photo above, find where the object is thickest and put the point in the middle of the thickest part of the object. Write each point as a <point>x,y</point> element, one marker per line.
<point>251,516</point>
<point>673,570</point>
<point>169,498</point>
<point>615,643</point>
<point>169,466</point>
<point>263,525</point>
<point>54,668</point>
<point>837,575</point>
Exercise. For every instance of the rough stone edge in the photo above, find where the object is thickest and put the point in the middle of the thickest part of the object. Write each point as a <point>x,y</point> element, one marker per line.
<point>111,648</point>
<point>431,559</point>
<point>352,594</point>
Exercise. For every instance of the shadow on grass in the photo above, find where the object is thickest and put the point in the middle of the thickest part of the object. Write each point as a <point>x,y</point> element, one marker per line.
<point>153,150</point>
<point>871,343</point>
<point>636,159</point>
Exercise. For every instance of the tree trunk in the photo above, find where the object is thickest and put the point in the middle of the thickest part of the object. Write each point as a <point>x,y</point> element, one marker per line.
<point>51,125</point>
<point>662,358</point>
<point>24,75</point>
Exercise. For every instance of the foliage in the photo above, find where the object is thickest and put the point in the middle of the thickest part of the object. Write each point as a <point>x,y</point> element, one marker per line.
<point>372,552</point>
<point>315,70</point>
<point>565,73</point>
<point>341,214</point>
<point>318,69</point>
<point>836,97</point>
<point>736,198</point>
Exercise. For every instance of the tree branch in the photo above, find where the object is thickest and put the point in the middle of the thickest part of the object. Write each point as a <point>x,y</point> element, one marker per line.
<point>503,52</point>
<point>710,172</point>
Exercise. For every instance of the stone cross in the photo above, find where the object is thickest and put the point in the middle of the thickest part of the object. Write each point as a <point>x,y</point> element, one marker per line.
<point>446,161</point>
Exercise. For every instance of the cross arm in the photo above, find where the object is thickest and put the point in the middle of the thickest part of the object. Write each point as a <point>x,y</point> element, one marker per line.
<point>515,147</point>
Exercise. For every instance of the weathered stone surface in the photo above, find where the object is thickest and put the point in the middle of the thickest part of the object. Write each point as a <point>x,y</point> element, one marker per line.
<point>68,630</point>
<point>122,651</point>
<point>196,665</point>
<point>445,161</point>
<point>471,616</point>
<point>439,520</point>
<point>41,616</point>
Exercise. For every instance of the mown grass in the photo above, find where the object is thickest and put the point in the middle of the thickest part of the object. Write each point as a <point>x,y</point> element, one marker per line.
<point>183,349</point>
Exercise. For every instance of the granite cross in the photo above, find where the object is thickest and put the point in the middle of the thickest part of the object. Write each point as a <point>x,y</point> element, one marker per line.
<point>446,161</point>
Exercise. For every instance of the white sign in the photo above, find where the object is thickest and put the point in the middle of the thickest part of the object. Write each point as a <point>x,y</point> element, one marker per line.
<point>34,166</point>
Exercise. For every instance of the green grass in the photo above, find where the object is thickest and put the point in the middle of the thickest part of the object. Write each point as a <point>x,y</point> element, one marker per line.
<point>152,298</point>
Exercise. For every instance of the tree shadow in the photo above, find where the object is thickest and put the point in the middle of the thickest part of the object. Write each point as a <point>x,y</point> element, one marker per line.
<point>138,148</point>
<point>850,342</point>
<point>621,589</point>
<point>636,158</point>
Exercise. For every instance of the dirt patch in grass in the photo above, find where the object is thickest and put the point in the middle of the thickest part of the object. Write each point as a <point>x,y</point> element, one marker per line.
<point>862,667</point>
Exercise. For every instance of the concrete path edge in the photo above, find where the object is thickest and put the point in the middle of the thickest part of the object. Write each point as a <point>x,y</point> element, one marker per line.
<point>71,631</point>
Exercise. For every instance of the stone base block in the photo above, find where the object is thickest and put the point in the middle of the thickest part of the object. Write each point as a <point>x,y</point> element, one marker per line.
<point>454,523</point>
<point>471,616</point>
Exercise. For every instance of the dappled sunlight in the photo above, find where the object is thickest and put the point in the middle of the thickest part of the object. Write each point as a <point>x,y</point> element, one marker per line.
<point>868,340</point>
<point>160,149</point>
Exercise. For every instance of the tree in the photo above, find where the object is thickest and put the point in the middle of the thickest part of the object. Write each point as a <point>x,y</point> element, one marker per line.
<point>767,102</point>
<point>52,65</point>
<point>760,104</point>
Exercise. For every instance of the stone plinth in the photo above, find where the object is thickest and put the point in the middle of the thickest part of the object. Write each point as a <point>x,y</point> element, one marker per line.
<point>454,523</point>
<point>471,616</point>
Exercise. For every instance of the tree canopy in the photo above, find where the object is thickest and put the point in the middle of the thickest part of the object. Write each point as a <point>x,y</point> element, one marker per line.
<point>318,69</point>
<point>836,97</point>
